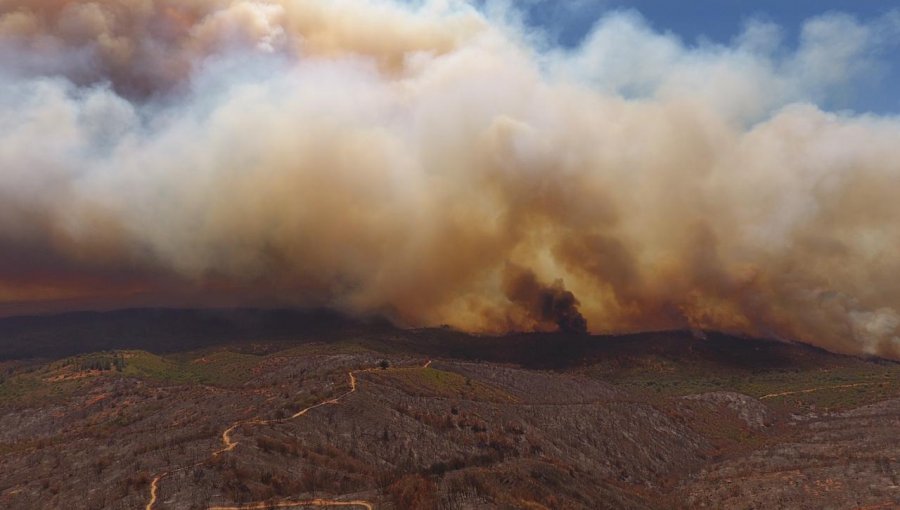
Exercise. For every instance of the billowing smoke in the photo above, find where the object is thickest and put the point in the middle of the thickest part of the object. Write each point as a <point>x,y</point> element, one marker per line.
<point>546,305</point>
<point>442,166</point>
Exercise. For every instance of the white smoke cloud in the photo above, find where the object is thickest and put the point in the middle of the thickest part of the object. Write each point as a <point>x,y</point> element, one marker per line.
<point>440,165</point>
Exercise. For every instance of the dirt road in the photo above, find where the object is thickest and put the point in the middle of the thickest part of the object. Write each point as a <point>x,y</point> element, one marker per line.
<point>297,503</point>
<point>812,390</point>
<point>228,445</point>
<point>154,488</point>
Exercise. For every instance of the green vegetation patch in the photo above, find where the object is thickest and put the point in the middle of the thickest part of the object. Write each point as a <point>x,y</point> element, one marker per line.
<point>321,349</point>
<point>835,388</point>
<point>223,368</point>
<point>430,382</point>
<point>34,386</point>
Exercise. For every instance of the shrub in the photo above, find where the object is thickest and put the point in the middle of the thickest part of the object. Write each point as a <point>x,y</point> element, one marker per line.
<point>413,492</point>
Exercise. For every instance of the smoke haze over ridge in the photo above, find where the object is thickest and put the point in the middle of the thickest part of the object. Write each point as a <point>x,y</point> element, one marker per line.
<point>444,166</point>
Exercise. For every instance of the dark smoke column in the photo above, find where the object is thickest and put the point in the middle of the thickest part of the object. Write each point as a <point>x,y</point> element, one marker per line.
<point>545,304</point>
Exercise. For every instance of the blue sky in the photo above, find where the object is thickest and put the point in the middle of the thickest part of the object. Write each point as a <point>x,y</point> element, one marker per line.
<point>720,21</point>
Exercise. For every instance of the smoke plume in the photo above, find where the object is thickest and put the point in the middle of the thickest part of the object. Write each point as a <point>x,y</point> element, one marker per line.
<point>440,165</point>
<point>546,305</point>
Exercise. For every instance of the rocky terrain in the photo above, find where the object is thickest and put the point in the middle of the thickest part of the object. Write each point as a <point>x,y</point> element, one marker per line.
<point>196,410</point>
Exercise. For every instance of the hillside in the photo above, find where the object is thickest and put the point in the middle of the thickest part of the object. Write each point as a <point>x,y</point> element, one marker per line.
<point>250,409</point>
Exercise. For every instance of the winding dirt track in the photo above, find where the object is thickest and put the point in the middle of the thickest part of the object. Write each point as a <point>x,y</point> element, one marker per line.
<point>812,390</point>
<point>229,444</point>
<point>289,504</point>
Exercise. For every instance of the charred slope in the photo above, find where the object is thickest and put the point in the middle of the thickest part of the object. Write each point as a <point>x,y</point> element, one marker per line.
<point>169,330</point>
<point>662,420</point>
<point>559,351</point>
<point>165,331</point>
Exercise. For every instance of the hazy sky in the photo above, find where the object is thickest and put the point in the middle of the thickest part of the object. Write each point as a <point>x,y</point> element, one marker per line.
<point>698,22</point>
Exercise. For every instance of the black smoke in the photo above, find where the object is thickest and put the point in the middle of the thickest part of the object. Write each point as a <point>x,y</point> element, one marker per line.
<point>546,305</point>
